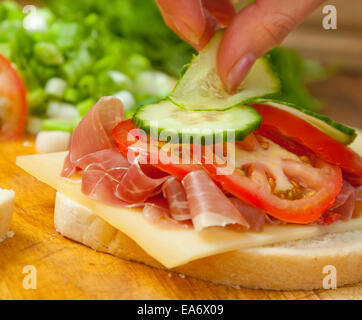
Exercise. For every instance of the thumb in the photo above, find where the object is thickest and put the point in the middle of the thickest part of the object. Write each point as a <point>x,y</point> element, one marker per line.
<point>254,31</point>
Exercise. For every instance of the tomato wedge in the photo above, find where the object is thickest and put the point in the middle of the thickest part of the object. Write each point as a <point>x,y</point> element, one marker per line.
<point>316,186</point>
<point>279,124</point>
<point>132,143</point>
<point>12,102</point>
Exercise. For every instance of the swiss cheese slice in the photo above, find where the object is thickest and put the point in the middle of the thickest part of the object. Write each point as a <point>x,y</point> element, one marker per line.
<point>173,247</point>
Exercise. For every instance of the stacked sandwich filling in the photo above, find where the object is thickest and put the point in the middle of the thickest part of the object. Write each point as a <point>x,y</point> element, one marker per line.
<point>192,195</point>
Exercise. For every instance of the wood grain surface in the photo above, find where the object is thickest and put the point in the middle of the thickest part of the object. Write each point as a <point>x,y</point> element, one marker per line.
<point>68,270</point>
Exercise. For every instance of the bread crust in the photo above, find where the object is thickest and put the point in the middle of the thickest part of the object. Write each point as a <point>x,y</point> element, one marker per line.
<point>295,265</point>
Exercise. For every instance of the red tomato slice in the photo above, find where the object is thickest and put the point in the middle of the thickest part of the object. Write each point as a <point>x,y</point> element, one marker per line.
<point>318,186</point>
<point>12,102</point>
<point>132,143</point>
<point>278,124</point>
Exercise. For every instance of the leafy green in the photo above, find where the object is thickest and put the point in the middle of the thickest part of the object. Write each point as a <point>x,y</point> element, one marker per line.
<point>292,70</point>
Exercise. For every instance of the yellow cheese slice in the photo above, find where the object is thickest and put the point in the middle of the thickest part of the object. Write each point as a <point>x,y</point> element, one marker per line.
<point>173,247</point>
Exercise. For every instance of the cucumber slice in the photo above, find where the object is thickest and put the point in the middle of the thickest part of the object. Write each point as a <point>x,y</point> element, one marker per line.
<point>200,87</point>
<point>171,123</point>
<point>335,130</point>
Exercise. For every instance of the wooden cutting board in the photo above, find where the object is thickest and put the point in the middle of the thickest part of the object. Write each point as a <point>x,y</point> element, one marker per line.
<point>68,270</point>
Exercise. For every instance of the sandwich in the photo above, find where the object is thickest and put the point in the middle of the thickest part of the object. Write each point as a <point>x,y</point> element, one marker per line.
<point>242,189</point>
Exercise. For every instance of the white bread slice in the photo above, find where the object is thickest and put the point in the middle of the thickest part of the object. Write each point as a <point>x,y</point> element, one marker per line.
<point>295,265</point>
<point>6,212</point>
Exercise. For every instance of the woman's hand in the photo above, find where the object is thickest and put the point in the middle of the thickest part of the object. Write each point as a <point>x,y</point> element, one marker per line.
<point>250,34</point>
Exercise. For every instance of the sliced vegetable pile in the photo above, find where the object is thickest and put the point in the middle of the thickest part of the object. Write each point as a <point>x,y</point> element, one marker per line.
<point>200,101</point>
<point>292,164</point>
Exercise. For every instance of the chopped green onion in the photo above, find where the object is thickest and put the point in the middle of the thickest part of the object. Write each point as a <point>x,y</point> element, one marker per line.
<point>84,106</point>
<point>35,98</point>
<point>121,79</point>
<point>126,98</point>
<point>48,54</point>
<point>153,83</point>
<point>87,84</point>
<point>62,110</point>
<point>38,20</point>
<point>136,64</point>
<point>56,125</point>
<point>71,95</point>
<point>78,66</point>
<point>76,121</point>
<point>56,87</point>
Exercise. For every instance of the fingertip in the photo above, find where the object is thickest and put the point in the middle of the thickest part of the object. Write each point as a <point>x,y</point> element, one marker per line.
<point>185,17</point>
<point>212,25</point>
<point>240,41</point>
<point>222,10</point>
<point>239,71</point>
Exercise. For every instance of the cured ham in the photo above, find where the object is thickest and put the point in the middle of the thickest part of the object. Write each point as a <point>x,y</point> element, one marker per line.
<point>175,194</point>
<point>161,216</point>
<point>94,132</point>
<point>100,185</point>
<point>209,206</point>
<point>343,206</point>
<point>135,186</point>
<point>345,202</point>
<point>254,216</point>
<point>359,194</point>
<point>107,175</point>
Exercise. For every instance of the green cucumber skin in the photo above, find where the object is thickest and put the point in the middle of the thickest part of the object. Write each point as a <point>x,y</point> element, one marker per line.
<point>351,133</point>
<point>239,134</point>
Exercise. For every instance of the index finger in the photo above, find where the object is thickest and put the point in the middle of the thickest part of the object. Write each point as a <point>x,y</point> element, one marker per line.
<point>185,17</point>
<point>222,10</point>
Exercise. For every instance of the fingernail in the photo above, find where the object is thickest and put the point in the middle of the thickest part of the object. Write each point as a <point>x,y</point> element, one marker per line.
<point>239,71</point>
<point>186,31</point>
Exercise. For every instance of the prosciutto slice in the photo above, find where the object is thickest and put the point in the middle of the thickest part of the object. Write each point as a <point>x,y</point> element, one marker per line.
<point>175,194</point>
<point>209,206</point>
<point>343,207</point>
<point>161,216</point>
<point>359,194</point>
<point>254,216</point>
<point>101,186</point>
<point>94,132</point>
<point>345,202</point>
<point>135,186</point>
<point>107,176</point>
